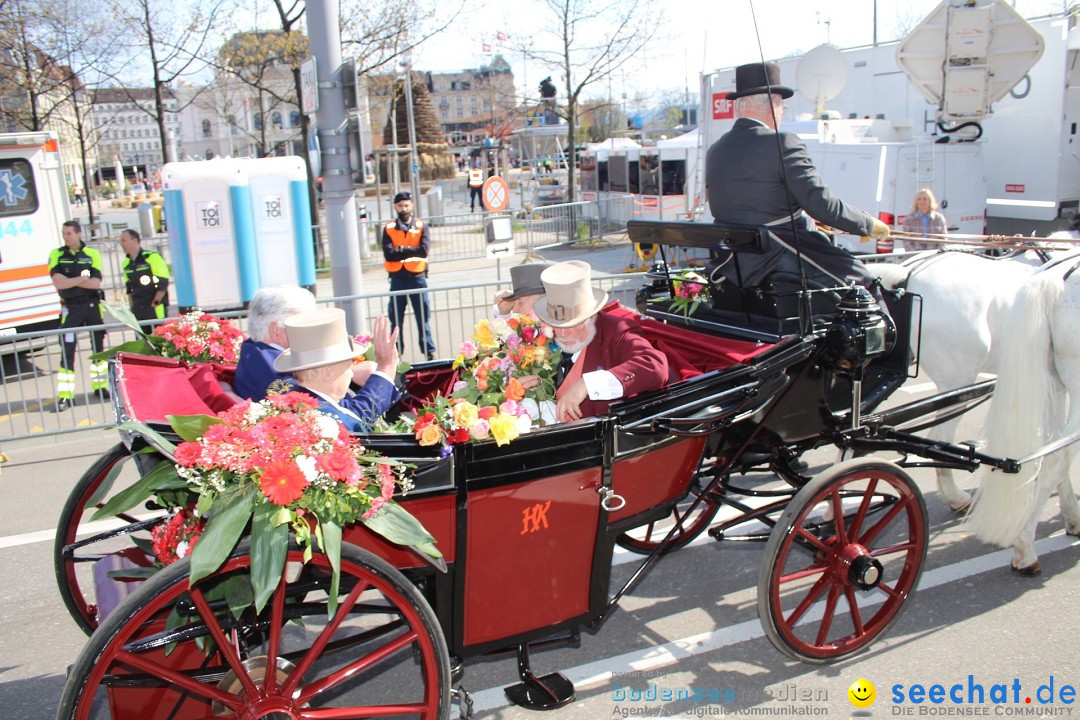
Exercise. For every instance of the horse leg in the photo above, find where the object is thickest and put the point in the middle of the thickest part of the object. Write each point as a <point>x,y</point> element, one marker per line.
<point>957,499</point>
<point>1025,560</point>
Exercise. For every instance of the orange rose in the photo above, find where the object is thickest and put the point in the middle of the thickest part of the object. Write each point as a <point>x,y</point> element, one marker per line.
<point>482,383</point>
<point>541,339</point>
<point>514,390</point>
<point>430,435</point>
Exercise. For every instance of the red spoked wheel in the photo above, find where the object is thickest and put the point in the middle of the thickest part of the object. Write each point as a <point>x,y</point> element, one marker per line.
<point>689,519</point>
<point>73,557</point>
<point>170,651</point>
<point>842,561</point>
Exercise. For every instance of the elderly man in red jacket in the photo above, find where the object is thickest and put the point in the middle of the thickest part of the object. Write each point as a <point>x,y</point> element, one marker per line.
<point>605,357</point>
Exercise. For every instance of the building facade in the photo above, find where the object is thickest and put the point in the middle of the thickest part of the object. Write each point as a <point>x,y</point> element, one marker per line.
<point>473,104</point>
<point>128,131</point>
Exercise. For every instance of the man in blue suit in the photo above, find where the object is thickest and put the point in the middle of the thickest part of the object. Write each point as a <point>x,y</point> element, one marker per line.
<point>320,357</point>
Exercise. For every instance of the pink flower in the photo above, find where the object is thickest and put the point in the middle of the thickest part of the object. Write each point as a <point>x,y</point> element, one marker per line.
<point>512,407</point>
<point>480,430</point>
<point>469,350</point>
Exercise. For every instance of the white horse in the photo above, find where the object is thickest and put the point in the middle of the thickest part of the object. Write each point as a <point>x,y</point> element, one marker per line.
<point>1036,400</point>
<point>966,298</point>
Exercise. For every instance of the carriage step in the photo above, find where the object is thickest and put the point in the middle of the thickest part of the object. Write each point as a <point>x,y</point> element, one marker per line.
<point>543,693</point>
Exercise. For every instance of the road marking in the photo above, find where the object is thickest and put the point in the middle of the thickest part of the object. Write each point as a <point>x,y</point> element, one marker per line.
<point>89,528</point>
<point>599,671</point>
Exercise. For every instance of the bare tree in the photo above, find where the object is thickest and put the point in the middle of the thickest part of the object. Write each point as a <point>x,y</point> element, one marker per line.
<point>32,82</point>
<point>587,41</point>
<point>175,38</point>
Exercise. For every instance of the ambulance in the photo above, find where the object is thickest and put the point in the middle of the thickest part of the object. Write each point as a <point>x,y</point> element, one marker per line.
<point>33,206</point>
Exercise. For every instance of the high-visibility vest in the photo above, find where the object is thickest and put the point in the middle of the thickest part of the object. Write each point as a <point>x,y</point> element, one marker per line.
<point>406,238</point>
<point>476,177</point>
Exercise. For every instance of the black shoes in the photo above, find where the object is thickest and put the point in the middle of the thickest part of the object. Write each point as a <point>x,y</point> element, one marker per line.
<point>63,404</point>
<point>103,393</point>
<point>431,355</point>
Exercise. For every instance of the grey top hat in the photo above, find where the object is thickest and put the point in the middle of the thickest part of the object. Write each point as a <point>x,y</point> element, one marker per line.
<point>758,79</point>
<point>569,298</point>
<point>526,280</point>
<point>316,338</point>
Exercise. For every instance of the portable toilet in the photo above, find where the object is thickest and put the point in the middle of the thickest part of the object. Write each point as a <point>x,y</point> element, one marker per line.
<point>281,213</point>
<point>211,234</point>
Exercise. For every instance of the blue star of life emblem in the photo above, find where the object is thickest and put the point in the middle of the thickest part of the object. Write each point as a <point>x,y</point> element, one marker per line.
<point>12,187</point>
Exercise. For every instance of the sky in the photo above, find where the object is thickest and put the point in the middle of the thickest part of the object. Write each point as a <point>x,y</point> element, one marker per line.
<point>694,36</point>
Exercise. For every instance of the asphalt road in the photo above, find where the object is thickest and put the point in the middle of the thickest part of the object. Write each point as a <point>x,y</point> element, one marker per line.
<point>691,625</point>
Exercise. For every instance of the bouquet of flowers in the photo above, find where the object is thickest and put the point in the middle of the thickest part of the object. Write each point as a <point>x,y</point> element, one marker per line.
<point>195,337</point>
<point>281,468</point>
<point>199,337</point>
<point>489,401</point>
<point>690,289</point>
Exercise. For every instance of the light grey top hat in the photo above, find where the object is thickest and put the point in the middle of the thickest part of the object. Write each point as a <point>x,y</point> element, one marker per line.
<point>316,338</point>
<point>526,280</point>
<point>569,298</point>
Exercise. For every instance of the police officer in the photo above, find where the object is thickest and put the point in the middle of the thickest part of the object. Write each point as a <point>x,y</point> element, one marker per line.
<point>146,279</point>
<point>406,242</point>
<point>76,272</point>
<point>476,185</point>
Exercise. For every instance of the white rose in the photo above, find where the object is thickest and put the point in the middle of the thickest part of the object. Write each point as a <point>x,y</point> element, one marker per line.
<point>524,424</point>
<point>500,328</point>
<point>547,412</point>
<point>182,548</point>
<point>307,466</point>
<point>530,406</point>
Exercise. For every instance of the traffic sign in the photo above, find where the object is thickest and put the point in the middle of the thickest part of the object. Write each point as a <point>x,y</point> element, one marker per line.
<point>496,194</point>
<point>309,87</point>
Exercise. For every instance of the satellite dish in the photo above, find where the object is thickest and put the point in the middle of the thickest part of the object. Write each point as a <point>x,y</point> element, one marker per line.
<point>821,75</point>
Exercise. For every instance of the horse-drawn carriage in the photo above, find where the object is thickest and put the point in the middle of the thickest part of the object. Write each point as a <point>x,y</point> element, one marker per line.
<point>527,530</point>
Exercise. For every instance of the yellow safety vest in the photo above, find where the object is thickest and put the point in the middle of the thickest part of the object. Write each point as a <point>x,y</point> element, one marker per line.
<point>406,238</point>
<point>476,177</point>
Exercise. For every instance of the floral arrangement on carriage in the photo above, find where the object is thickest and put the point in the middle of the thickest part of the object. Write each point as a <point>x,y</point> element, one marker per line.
<point>194,337</point>
<point>689,289</point>
<point>488,401</point>
<point>279,469</point>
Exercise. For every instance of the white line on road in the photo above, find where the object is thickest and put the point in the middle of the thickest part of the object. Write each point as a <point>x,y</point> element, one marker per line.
<point>599,671</point>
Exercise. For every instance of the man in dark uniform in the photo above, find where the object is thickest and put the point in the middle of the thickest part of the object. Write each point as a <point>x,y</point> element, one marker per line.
<point>745,174</point>
<point>76,272</point>
<point>146,279</point>
<point>406,242</point>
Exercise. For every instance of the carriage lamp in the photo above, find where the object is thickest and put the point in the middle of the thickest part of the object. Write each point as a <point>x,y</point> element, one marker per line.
<point>860,331</point>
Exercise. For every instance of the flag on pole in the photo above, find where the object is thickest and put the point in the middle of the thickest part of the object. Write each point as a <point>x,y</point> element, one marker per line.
<point>486,48</point>
<point>502,36</point>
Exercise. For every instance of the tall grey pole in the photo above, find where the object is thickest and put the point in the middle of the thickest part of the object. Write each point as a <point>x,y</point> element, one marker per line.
<point>414,160</point>
<point>339,201</point>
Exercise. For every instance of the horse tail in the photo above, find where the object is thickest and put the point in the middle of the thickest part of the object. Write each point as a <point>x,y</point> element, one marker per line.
<point>1023,413</point>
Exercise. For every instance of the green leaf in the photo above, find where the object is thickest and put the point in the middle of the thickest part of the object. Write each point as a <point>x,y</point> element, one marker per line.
<point>330,542</point>
<point>144,544</point>
<point>162,477</point>
<point>403,367</point>
<point>281,516</point>
<point>395,524</point>
<point>106,484</point>
<point>224,526</point>
<point>269,545</point>
<point>159,441</point>
<point>238,594</point>
<point>191,427</point>
<point>132,573</point>
<point>141,347</point>
<point>125,316</point>
<point>205,502</point>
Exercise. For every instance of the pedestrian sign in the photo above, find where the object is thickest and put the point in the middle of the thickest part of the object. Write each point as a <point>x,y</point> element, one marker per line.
<point>496,194</point>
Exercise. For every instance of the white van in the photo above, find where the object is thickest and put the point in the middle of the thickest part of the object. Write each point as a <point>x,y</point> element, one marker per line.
<point>33,206</point>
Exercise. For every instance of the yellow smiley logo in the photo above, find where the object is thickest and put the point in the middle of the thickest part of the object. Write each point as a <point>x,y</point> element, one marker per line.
<point>862,693</point>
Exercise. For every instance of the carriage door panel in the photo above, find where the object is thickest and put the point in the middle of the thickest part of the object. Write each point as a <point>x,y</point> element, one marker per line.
<point>529,552</point>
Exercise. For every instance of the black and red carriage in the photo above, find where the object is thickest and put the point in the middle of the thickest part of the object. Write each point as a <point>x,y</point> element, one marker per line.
<point>527,530</point>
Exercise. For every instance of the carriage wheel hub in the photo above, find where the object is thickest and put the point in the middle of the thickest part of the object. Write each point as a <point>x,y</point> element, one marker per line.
<point>274,707</point>
<point>865,572</point>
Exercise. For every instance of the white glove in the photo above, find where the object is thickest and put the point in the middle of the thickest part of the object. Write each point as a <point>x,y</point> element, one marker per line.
<point>880,230</point>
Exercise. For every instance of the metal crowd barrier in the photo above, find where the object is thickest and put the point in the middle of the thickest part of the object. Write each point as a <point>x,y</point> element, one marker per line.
<point>29,362</point>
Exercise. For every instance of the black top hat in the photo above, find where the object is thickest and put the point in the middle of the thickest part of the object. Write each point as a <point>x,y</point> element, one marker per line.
<point>758,79</point>
<point>402,196</point>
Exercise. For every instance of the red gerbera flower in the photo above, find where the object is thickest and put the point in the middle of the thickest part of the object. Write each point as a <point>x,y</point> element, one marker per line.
<point>282,482</point>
